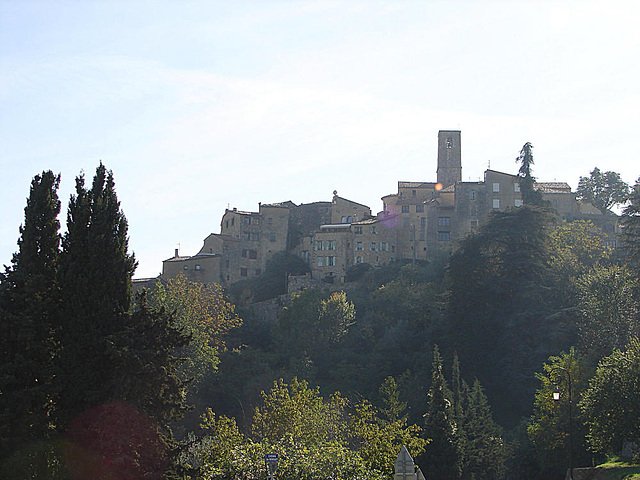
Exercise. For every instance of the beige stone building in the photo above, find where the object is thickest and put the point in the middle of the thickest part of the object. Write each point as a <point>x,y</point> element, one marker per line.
<point>417,221</point>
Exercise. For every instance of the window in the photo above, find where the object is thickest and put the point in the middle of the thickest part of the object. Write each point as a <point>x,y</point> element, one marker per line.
<point>373,229</point>
<point>449,142</point>
<point>233,220</point>
<point>243,272</point>
<point>305,256</point>
<point>444,221</point>
<point>357,230</point>
<point>444,236</point>
<point>472,194</point>
<point>419,208</point>
<point>331,261</point>
<point>247,220</point>
<point>413,193</point>
<point>359,247</point>
<point>269,221</point>
<point>473,224</point>
<point>422,235</point>
<point>272,236</point>
<point>330,244</point>
<point>349,219</point>
<point>186,267</point>
<point>405,208</point>
<point>253,254</point>
<point>318,245</point>
<point>343,220</point>
<point>255,236</point>
<point>197,267</point>
<point>518,202</point>
<point>516,187</point>
<point>320,261</point>
<point>496,187</point>
<point>359,260</point>
<point>496,203</point>
<point>226,224</point>
<point>256,220</point>
<point>423,222</point>
<point>372,246</point>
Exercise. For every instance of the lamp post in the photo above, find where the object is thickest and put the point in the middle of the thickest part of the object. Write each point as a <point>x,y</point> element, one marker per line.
<point>556,397</point>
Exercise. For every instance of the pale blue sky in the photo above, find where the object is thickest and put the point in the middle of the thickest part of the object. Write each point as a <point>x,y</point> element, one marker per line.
<point>200,105</point>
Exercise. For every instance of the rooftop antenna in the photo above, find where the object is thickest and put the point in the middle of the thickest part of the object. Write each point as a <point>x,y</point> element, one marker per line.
<point>489,164</point>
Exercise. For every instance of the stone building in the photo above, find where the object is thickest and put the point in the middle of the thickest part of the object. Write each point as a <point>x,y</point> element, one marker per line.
<point>417,221</point>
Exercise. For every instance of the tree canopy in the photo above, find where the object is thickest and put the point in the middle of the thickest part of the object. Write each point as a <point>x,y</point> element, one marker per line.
<point>603,190</point>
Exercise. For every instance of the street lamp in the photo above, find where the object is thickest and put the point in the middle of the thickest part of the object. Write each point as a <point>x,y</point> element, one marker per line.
<point>556,397</point>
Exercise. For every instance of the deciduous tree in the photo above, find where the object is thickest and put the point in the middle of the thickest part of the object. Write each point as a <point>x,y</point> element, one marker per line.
<point>611,404</point>
<point>631,223</point>
<point>603,189</point>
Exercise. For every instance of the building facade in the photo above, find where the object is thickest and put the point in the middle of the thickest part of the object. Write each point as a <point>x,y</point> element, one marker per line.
<point>419,220</point>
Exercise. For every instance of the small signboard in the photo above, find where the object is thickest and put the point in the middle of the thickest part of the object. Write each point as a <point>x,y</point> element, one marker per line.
<point>271,459</point>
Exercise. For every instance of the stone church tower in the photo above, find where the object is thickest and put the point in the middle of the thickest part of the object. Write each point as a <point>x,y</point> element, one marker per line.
<point>449,157</point>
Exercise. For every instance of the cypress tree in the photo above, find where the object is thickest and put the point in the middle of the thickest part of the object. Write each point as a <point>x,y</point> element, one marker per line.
<point>115,359</point>
<point>441,459</point>
<point>95,276</point>
<point>28,308</point>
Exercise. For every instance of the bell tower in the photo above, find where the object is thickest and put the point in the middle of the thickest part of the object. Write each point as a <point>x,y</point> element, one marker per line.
<point>449,157</point>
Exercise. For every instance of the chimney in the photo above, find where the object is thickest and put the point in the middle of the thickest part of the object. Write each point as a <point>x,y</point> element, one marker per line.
<point>176,255</point>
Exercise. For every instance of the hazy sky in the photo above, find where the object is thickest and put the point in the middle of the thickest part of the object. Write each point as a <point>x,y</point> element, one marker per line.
<point>201,105</point>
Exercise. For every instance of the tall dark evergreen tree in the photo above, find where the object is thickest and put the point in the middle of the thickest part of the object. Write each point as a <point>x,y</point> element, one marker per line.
<point>28,308</point>
<point>442,458</point>
<point>530,195</point>
<point>499,305</point>
<point>113,358</point>
<point>95,277</point>
<point>484,452</point>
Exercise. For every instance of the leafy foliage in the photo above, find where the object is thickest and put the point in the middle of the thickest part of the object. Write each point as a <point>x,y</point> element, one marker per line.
<point>203,312</point>
<point>549,426</point>
<point>603,189</point>
<point>611,404</point>
<point>609,310</point>
<point>499,304</point>
<point>631,223</point>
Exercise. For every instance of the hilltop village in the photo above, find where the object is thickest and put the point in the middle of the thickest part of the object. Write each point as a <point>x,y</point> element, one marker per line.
<point>421,219</point>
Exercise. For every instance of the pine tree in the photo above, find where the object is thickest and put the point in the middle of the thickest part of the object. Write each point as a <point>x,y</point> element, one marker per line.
<point>28,307</point>
<point>484,452</point>
<point>442,458</point>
